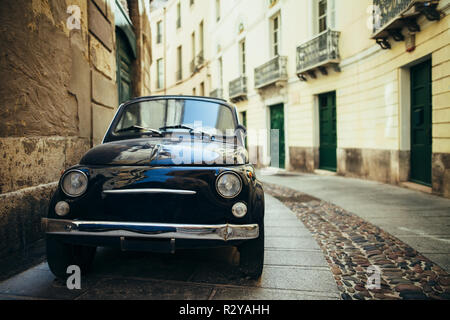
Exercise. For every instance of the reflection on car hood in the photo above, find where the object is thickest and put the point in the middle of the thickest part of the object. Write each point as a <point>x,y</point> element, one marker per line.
<point>165,151</point>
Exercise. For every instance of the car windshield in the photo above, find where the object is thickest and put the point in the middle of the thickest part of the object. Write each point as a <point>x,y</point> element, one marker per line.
<point>156,116</point>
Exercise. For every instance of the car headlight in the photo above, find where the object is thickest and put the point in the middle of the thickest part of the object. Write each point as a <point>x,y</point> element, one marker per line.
<point>74,183</point>
<point>229,185</point>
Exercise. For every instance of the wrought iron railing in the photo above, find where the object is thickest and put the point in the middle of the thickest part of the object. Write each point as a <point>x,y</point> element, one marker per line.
<point>271,72</point>
<point>178,75</point>
<point>193,66</point>
<point>159,84</point>
<point>386,10</point>
<point>218,93</point>
<point>322,49</point>
<point>200,58</point>
<point>197,62</point>
<point>238,87</point>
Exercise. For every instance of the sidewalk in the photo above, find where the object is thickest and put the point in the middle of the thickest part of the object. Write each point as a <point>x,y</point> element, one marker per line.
<point>418,219</point>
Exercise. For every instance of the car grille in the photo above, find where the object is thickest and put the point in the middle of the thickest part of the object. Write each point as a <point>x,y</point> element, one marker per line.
<point>203,207</point>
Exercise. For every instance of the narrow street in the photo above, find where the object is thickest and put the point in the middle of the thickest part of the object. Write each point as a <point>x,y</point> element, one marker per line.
<point>295,269</point>
<point>319,245</point>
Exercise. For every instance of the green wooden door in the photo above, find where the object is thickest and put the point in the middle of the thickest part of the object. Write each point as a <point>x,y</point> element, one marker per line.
<point>328,137</point>
<point>124,67</point>
<point>277,146</point>
<point>421,137</point>
<point>244,123</point>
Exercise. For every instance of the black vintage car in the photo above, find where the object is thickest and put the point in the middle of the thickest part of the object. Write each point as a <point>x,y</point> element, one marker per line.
<point>172,172</point>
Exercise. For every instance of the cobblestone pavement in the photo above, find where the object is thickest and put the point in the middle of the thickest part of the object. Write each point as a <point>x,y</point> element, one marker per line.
<point>351,245</point>
<point>295,269</point>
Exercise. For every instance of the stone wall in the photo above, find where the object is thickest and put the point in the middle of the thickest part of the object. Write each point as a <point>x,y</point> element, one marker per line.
<point>441,174</point>
<point>103,68</point>
<point>303,159</point>
<point>59,94</point>
<point>388,166</point>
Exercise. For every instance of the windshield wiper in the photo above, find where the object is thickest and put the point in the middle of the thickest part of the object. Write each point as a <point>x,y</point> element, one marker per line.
<point>178,126</point>
<point>136,127</point>
<point>191,130</point>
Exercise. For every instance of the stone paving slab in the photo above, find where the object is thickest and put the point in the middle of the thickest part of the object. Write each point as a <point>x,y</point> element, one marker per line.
<point>39,283</point>
<point>10,297</point>
<point>280,216</point>
<point>294,232</point>
<point>140,289</point>
<point>295,269</point>
<point>115,263</point>
<point>280,223</point>
<point>309,279</point>
<point>18,262</point>
<point>295,258</point>
<point>430,246</point>
<point>306,242</point>
<point>424,227</point>
<point>269,294</point>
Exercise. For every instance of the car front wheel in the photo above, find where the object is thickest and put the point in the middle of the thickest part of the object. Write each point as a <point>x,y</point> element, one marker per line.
<point>252,256</point>
<point>61,255</point>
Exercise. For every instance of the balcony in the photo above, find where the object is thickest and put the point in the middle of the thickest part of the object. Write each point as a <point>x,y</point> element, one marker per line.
<point>272,72</point>
<point>178,75</point>
<point>391,16</point>
<point>159,84</point>
<point>218,93</point>
<point>200,59</point>
<point>193,66</point>
<point>317,54</point>
<point>238,89</point>
<point>197,63</point>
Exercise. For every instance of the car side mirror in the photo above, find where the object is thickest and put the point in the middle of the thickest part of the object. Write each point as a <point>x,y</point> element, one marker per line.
<point>242,128</point>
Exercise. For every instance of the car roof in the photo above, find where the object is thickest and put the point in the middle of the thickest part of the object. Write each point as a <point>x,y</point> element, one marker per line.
<point>211,99</point>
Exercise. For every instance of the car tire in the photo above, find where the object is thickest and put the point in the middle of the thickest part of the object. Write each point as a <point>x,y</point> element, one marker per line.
<point>61,255</point>
<point>252,256</point>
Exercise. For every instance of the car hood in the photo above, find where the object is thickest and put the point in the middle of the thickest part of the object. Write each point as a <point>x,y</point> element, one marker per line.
<point>165,151</point>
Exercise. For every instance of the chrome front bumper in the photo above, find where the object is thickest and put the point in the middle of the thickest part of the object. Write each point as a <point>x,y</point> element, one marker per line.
<point>224,232</point>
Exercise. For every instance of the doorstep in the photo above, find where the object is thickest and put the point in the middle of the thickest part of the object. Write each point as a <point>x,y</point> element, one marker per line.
<point>322,172</point>
<point>416,187</point>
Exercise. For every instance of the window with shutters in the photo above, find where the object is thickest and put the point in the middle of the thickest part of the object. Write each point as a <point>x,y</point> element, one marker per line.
<point>275,36</point>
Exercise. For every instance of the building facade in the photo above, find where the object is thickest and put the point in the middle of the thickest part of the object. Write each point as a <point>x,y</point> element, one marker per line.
<point>182,63</point>
<point>69,64</point>
<point>361,88</point>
